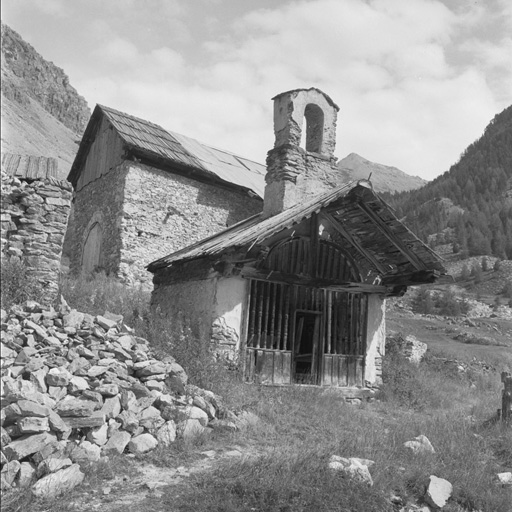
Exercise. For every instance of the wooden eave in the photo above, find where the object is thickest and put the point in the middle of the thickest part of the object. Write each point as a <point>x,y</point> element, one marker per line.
<point>370,230</point>
<point>85,144</point>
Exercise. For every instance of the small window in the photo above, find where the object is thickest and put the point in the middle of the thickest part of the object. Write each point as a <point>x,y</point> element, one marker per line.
<point>312,137</point>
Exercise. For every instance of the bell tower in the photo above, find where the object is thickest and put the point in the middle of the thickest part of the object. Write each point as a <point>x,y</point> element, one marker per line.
<point>302,162</point>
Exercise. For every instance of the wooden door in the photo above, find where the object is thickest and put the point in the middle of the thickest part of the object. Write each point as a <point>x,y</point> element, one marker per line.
<point>91,254</point>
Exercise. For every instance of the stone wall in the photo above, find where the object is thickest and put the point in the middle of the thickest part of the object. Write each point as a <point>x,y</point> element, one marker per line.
<point>164,212</point>
<point>101,202</point>
<point>145,214</point>
<point>34,217</point>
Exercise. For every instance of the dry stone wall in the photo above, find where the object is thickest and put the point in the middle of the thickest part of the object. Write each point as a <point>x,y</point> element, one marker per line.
<point>34,217</point>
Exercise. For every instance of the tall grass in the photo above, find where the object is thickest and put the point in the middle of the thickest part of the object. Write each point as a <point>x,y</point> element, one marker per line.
<point>299,428</point>
<point>17,285</point>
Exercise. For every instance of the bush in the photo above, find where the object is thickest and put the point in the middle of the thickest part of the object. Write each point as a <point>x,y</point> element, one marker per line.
<point>445,303</point>
<point>448,304</point>
<point>497,265</point>
<point>402,384</point>
<point>465,273</point>
<point>423,302</point>
<point>476,272</point>
<point>17,285</point>
<point>97,293</point>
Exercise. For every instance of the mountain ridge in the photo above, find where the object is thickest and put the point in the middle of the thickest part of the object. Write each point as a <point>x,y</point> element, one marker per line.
<point>383,177</point>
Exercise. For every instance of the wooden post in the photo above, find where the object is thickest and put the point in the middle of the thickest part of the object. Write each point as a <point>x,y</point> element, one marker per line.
<point>506,407</point>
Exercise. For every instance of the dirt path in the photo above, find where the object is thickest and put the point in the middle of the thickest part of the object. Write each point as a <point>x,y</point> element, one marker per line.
<point>144,491</point>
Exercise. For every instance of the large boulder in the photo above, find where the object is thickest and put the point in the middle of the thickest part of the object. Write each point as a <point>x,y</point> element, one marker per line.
<point>438,492</point>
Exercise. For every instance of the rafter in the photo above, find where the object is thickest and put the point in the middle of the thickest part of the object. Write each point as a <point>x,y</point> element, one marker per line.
<point>384,229</point>
<point>355,243</point>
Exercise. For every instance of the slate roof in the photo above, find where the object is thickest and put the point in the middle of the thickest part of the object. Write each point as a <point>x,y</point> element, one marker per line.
<point>30,167</point>
<point>151,140</point>
<point>391,245</point>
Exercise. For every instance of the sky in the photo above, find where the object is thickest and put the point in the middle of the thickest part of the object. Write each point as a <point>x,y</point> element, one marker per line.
<point>416,81</point>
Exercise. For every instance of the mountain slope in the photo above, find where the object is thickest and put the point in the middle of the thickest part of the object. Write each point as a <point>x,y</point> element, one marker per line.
<point>383,177</point>
<point>42,114</point>
<point>481,184</point>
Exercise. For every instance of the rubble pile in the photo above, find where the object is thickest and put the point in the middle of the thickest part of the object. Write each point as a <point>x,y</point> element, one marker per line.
<point>76,388</point>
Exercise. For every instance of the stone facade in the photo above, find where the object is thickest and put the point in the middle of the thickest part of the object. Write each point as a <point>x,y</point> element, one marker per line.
<point>34,218</point>
<point>100,202</point>
<point>144,213</point>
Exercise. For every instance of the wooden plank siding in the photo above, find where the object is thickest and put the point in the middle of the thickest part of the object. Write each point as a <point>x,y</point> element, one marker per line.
<point>273,338</point>
<point>105,153</point>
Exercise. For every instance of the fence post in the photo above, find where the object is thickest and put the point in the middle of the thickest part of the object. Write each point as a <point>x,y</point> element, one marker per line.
<point>506,407</point>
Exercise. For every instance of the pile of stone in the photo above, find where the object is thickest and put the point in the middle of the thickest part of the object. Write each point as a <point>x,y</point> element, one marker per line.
<point>76,388</point>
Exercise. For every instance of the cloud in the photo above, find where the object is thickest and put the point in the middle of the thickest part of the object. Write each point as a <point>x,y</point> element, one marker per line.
<point>416,81</point>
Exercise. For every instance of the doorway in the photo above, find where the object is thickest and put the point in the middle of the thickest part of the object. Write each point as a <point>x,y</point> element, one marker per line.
<point>306,356</point>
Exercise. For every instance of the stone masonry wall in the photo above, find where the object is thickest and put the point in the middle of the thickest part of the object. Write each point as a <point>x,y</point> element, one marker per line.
<point>34,217</point>
<point>164,212</point>
<point>98,202</point>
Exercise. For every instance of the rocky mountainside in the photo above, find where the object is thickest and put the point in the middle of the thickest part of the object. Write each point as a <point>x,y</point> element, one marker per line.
<point>42,114</point>
<point>383,177</point>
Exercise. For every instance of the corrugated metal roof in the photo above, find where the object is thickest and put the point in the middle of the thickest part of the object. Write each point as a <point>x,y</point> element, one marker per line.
<point>227,166</point>
<point>180,149</point>
<point>30,167</point>
<point>342,203</point>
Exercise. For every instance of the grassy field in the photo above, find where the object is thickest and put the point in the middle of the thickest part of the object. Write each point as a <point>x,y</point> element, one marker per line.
<point>279,463</point>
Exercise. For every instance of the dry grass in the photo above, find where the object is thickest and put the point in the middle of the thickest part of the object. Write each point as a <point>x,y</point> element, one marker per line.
<point>301,427</point>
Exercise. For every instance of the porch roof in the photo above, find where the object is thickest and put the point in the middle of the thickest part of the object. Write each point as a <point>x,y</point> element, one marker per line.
<point>367,224</point>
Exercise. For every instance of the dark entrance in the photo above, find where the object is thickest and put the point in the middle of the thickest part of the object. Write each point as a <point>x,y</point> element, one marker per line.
<point>307,335</point>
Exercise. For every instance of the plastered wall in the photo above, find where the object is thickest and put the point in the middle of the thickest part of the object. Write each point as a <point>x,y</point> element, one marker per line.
<point>376,336</point>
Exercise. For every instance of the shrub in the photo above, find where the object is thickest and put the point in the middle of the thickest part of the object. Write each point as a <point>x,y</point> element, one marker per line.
<point>17,285</point>
<point>448,304</point>
<point>465,273</point>
<point>423,302</point>
<point>485,264</point>
<point>402,384</point>
<point>476,272</point>
<point>97,293</point>
<point>497,265</point>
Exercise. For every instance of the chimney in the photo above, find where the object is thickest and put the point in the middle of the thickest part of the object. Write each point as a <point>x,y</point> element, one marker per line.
<point>307,118</point>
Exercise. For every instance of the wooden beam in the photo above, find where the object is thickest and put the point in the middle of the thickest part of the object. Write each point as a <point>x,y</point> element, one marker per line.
<point>411,278</point>
<point>345,234</point>
<point>384,229</point>
<point>324,284</point>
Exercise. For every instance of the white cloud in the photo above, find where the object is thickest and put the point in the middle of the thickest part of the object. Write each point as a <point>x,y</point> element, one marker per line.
<point>415,81</point>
